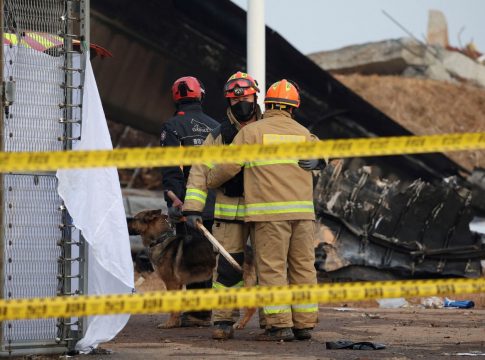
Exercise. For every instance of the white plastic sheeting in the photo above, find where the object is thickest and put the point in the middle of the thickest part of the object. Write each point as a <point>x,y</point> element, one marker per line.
<point>93,199</point>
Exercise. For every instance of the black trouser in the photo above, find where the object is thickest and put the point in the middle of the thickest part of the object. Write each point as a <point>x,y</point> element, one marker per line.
<point>180,228</point>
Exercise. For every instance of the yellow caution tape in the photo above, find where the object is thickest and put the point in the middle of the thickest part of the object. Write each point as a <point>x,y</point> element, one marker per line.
<point>175,301</point>
<point>174,156</point>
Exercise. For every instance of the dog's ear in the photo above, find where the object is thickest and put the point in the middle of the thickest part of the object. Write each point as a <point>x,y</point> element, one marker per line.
<point>153,215</point>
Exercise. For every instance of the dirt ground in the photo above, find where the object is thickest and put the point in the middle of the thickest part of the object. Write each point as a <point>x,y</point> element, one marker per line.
<point>413,332</point>
<point>408,333</point>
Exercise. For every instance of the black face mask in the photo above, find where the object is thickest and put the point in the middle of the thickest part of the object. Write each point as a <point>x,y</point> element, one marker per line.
<point>243,110</point>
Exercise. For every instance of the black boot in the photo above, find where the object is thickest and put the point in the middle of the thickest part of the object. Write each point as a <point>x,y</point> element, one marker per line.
<point>276,334</point>
<point>302,334</point>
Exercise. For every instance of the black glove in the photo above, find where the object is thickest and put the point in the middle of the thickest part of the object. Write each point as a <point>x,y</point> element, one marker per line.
<point>192,217</point>
<point>192,220</point>
<point>234,187</point>
<point>174,214</point>
<point>312,164</point>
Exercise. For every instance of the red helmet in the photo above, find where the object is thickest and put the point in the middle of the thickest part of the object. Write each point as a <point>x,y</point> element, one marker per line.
<point>189,88</point>
<point>240,84</point>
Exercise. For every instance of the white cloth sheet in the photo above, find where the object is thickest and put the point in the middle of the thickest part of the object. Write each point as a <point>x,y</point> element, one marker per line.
<point>94,201</point>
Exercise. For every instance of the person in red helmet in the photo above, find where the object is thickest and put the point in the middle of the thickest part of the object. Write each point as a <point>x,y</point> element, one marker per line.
<point>240,91</point>
<point>188,127</point>
<point>278,199</point>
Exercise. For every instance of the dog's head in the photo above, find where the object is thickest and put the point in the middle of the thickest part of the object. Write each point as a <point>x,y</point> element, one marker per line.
<point>149,224</point>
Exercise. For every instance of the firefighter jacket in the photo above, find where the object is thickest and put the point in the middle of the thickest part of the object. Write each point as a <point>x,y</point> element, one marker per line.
<point>189,127</point>
<point>274,190</point>
<point>229,203</point>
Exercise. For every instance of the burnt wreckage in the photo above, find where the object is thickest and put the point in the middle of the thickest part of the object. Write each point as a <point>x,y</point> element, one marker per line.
<point>416,229</point>
<point>207,39</point>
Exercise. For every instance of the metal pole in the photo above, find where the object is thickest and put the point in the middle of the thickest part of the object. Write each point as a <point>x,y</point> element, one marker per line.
<point>256,45</point>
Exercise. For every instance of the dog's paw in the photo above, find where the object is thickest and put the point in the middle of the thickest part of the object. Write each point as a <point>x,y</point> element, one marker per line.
<point>239,326</point>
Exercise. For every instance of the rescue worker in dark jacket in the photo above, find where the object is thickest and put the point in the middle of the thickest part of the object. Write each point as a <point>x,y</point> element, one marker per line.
<point>188,127</point>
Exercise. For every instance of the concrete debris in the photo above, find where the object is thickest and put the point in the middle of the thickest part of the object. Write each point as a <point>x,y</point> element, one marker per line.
<point>404,56</point>
<point>437,29</point>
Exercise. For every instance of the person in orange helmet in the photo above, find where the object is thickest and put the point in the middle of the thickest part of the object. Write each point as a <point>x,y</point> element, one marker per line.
<point>240,91</point>
<point>279,209</point>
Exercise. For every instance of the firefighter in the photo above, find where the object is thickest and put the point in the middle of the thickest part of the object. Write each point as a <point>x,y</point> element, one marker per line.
<point>279,208</point>
<point>229,228</point>
<point>188,127</point>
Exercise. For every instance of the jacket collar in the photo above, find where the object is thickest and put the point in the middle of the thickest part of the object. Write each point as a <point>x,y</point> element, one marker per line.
<point>276,112</point>
<point>189,106</point>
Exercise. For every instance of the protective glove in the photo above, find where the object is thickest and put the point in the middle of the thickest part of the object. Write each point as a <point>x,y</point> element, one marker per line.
<point>192,220</point>
<point>234,187</point>
<point>312,164</point>
<point>175,214</point>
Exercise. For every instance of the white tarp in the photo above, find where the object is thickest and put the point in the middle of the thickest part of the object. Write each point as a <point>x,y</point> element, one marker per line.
<point>93,199</point>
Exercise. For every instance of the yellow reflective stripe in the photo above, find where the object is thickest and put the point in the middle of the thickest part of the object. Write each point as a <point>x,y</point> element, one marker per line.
<point>238,285</point>
<point>270,162</point>
<point>218,285</point>
<point>11,37</point>
<point>228,210</point>
<point>277,309</point>
<point>196,194</point>
<point>279,207</point>
<point>305,308</point>
<point>195,198</point>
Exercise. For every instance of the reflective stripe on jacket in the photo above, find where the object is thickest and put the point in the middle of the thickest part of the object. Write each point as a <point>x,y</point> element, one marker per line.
<point>226,208</point>
<point>274,190</point>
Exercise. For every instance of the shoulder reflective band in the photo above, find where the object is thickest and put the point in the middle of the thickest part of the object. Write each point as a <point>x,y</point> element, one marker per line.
<point>175,156</point>
<point>174,301</point>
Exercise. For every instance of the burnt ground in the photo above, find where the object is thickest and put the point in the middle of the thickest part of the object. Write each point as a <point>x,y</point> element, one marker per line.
<point>410,333</point>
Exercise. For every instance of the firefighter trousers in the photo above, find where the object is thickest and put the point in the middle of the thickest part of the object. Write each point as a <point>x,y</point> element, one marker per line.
<point>284,253</point>
<point>233,236</point>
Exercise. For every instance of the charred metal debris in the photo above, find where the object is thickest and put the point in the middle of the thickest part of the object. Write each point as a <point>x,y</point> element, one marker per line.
<point>414,229</point>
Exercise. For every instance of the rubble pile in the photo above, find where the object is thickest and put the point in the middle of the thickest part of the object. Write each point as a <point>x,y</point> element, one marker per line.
<point>426,107</point>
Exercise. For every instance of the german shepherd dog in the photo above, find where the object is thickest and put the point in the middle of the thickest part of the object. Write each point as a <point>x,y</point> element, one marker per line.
<point>182,259</point>
<point>178,259</point>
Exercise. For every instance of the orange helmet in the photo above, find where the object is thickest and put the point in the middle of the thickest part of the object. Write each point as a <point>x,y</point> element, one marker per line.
<point>283,92</point>
<point>240,84</point>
